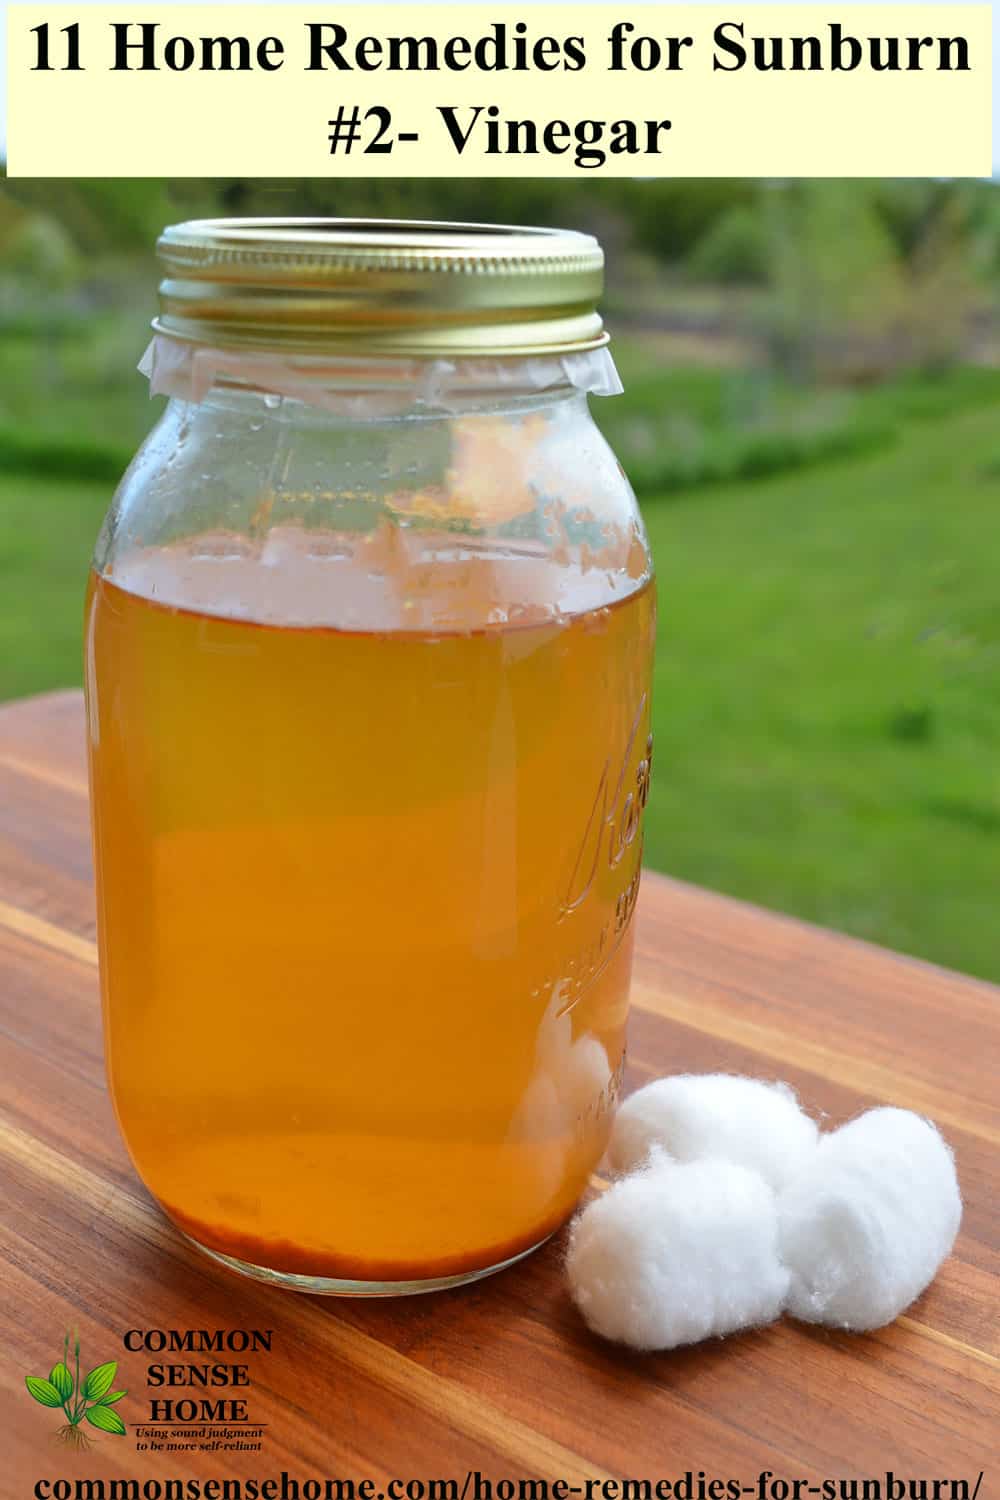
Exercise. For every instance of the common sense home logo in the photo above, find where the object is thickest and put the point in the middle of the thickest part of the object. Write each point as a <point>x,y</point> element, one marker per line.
<point>87,1399</point>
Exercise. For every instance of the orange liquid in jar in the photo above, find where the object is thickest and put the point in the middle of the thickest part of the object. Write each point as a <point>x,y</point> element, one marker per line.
<point>365,903</point>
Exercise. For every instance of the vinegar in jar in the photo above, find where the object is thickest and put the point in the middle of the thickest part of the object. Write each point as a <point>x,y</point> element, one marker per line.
<point>366,897</point>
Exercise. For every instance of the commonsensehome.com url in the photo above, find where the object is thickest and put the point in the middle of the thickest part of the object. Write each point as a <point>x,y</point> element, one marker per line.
<point>476,1486</point>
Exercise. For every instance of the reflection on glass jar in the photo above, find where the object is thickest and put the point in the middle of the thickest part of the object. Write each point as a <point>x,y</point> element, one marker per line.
<point>369,639</point>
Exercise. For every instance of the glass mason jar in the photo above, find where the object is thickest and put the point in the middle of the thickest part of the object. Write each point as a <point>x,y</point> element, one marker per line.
<point>368,648</point>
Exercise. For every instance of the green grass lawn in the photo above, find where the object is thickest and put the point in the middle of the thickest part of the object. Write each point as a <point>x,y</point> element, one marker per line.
<point>47,532</point>
<point>827,689</point>
<point>827,701</point>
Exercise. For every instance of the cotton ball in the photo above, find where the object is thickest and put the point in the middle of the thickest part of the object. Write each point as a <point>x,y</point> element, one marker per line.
<point>587,1074</point>
<point>554,1100</point>
<point>674,1254</point>
<point>568,1077</point>
<point>693,1116</point>
<point>864,1231</point>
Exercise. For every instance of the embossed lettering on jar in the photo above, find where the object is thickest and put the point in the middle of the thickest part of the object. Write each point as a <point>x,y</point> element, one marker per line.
<point>369,640</point>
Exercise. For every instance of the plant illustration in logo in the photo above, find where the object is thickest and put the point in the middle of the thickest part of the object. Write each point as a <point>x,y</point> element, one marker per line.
<point>90,1399</point>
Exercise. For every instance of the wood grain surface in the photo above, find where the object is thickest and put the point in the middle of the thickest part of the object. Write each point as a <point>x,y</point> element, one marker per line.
<point>499,1377</point>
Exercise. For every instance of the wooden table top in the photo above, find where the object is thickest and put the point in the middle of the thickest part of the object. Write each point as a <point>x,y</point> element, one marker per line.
<point>499,1377</point>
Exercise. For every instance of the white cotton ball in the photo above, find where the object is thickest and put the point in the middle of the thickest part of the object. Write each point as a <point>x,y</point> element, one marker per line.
<point>587,1074</point>
<point>566,1084</point>
<point>694,1116</point>
<point>864,1231</point>
<point>674,1254</point>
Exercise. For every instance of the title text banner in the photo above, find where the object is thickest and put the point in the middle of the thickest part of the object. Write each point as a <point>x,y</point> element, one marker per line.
<point>508,90</point>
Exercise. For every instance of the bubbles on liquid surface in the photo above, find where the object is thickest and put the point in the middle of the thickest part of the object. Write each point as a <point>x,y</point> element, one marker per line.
<point>329,551</point>
<point>390,580</point>
<point>221,549</point>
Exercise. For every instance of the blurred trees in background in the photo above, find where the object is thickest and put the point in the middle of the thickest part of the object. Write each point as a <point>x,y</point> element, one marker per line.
<point>830,279</point>
<point>866,279</point>
<point>799,295</point>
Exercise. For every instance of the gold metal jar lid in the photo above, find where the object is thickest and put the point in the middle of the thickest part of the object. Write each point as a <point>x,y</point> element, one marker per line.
<point>378,286</point>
